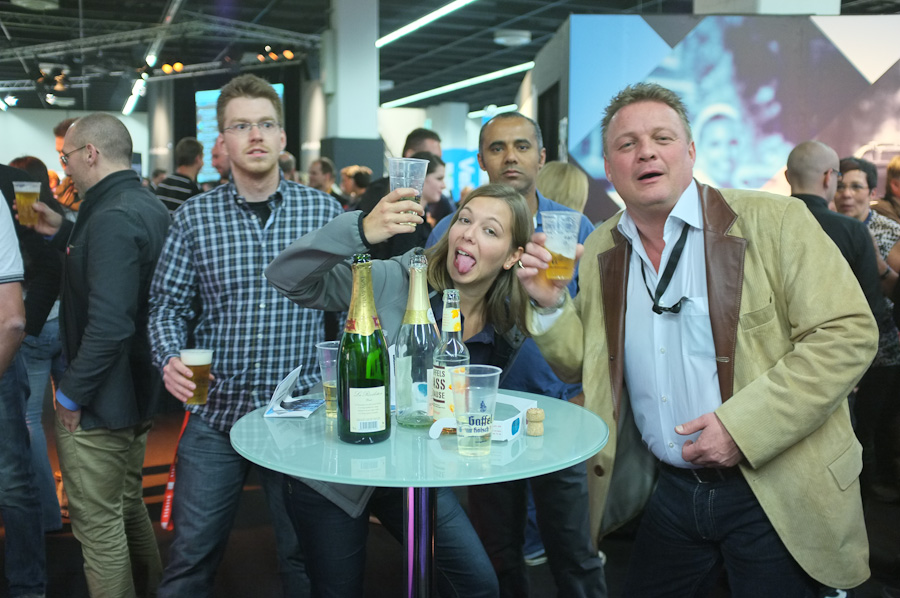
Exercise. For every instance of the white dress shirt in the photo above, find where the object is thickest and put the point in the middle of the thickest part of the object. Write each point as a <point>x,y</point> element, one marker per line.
<point>670,362</point>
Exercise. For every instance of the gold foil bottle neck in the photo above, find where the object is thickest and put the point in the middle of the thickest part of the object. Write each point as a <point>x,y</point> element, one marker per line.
<point>362,318</point>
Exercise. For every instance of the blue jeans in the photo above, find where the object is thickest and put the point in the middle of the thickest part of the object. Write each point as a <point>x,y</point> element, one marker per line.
<point>690,530</point>
<point>209,479</point>
<point>498,512</point>
<point>43,357</point>
<point>335,543</point>
<point>25,560</point>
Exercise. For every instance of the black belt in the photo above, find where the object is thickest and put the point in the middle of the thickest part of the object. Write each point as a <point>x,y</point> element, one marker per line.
<point>704,475</point>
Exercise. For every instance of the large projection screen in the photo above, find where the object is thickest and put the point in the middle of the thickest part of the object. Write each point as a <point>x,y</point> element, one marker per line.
<point>755,86</point>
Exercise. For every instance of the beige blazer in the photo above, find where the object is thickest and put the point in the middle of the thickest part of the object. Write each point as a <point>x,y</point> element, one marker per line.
<point>793,334</point>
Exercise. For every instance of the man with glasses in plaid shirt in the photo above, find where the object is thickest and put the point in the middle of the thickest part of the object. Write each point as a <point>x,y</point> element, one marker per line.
<point>214,257</point>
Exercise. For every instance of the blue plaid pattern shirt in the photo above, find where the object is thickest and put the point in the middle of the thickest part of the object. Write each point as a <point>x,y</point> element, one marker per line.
<point>214,258</point>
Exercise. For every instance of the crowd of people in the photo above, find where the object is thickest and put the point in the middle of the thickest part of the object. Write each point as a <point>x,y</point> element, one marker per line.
<point>749,410</point>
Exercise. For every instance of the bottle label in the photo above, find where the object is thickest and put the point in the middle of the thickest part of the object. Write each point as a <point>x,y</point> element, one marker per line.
<point>365,326</point>
<point>451,321</point>
<point>442,395</point>
<point>367,410</point>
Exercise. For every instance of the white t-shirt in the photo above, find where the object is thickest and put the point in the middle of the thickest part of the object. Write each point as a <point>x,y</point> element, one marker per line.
<point>11,269</point>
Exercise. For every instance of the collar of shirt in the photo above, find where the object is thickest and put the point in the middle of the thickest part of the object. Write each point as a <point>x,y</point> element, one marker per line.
<point>275,200</point>
<point>686,211</point>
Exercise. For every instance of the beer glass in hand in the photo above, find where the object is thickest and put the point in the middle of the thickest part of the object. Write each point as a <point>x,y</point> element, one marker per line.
<point>199,361</point>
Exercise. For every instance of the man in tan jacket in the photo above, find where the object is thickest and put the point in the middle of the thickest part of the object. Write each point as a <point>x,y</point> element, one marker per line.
<point>733,361</point>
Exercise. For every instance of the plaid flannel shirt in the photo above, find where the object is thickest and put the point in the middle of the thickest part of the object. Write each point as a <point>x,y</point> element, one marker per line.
<point>214,258</point>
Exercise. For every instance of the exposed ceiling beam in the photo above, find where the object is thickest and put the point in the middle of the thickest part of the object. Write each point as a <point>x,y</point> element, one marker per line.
<point>195,26</point>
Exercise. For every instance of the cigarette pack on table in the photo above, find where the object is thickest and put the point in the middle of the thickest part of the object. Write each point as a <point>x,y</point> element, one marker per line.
<point>509,416</point>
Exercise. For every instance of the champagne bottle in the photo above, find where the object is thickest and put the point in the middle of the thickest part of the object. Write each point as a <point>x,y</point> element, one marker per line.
<point>451,353</point>
<point>364,415</point>
<point>416,343</point>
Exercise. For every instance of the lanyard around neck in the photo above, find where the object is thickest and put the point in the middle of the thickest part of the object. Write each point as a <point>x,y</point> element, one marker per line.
<point>666,277</point>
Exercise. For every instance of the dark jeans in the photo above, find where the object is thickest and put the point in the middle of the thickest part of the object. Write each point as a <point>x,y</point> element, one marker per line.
<point>209,479</point>
<point>876,412</point>
<point>690,530</point>
<point>19,504</point>
<point>498,512</point>
<point>335,543</point>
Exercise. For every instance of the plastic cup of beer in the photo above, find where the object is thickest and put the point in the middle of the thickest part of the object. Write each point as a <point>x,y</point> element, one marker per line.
<point>327,354</point>
<point>474,389</point>
<point>199,361</point>
<point>561,228</point>
<point>408,173</point>
<point>27,193</point>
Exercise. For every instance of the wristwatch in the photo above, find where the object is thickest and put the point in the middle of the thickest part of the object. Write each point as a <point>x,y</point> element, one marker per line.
<point>546,311</point>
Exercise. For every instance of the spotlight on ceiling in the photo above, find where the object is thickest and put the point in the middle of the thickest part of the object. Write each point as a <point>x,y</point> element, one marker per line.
<point>11,100</point>
<point>178,67</point>
<point>167,68</point>
<point>288,54</point>
<point>512,37</point>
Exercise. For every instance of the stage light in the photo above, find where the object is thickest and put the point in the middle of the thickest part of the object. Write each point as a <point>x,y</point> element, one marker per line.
<point>419,23</point>
<point>273,55</point>
<point>167,68</point>
<point>260,58</point>
<point>519,68</point>
<point>288,54</point>
<point>178,67</point>
<point>3,106</point>
<point>129,105</point>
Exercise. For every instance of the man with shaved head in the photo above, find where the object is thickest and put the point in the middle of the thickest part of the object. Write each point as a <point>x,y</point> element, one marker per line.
<point>107,396</point>
<point>812,171</point>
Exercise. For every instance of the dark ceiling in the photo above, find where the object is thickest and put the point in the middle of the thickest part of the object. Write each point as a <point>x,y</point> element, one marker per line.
<point>101,43</point>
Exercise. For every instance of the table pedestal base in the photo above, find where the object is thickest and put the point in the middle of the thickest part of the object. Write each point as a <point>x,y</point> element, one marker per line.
<point>418,526</point>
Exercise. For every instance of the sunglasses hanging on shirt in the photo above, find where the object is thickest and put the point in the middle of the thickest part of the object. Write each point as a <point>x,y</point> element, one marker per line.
<point>667,274</point>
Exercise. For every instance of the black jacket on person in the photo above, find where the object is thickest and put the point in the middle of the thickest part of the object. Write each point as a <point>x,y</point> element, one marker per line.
<point>43,267</point>
<point>111,253</point>
<point>853,239</point>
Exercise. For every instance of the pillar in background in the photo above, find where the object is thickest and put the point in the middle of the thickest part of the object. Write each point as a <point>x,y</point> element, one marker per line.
<point>350,75</point>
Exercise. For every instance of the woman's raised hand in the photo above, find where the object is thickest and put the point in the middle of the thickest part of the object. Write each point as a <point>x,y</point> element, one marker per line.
<point>393,215</point>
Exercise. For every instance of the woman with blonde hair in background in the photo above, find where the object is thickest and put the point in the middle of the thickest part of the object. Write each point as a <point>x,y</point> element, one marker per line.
<point>564,183</point>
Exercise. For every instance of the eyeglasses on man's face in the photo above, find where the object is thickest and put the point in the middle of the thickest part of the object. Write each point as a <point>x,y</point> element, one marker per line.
<point>853,187</point>
<point>265,126</point>
<point>64,158</point>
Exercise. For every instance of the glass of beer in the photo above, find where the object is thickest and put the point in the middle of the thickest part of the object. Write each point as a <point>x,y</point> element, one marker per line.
<point>327,354</point>
<point>27,193</point>
<point>561,228</point>
<point>199,360</point>
<point>474,390</point>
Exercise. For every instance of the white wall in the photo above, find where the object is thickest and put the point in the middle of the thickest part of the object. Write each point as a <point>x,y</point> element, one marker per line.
<point>29,132</point>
